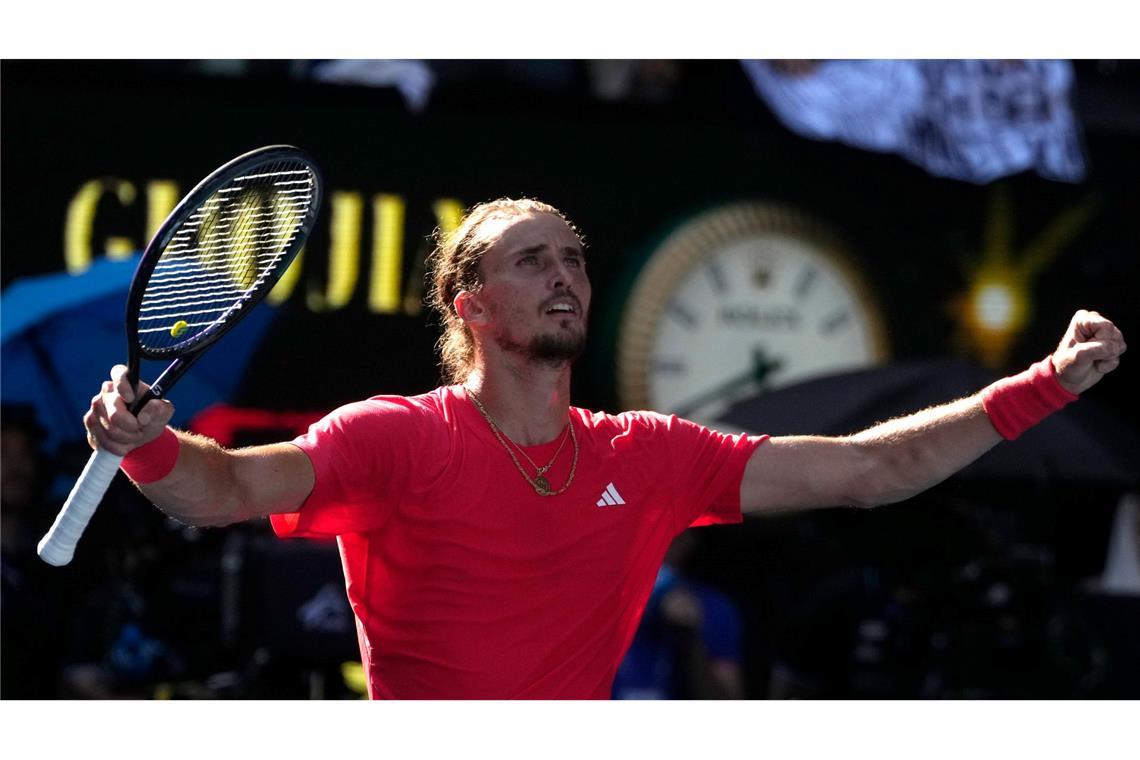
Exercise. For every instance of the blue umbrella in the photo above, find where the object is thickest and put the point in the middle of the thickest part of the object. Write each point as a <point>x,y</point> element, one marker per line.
<point>61,333</point>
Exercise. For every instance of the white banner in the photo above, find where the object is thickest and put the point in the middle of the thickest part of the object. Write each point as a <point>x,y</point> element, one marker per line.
<point>969,120</point>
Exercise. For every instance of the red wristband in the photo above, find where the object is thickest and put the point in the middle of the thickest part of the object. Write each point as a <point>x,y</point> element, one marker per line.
<point>152,461</point>
<point>1019,402</point>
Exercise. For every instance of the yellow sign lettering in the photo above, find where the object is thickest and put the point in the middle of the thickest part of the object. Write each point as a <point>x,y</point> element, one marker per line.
<point>344,252</point>
<point>79,228</point>
<point>387,253</point>
<point>161,198</point>
<point>448,213</point>
<point>284,287</point>
<point>390,291</point>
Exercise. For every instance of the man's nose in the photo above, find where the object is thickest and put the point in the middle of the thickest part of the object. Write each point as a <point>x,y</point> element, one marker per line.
<point>560,278</point>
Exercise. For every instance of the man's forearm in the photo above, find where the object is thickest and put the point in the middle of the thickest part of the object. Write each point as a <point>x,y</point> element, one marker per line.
<point>913,453</point>
<point>202,489</point>
<point>210,485</point>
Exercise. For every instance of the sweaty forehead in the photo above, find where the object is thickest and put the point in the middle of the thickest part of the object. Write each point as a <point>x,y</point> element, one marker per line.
<point>533,229</point>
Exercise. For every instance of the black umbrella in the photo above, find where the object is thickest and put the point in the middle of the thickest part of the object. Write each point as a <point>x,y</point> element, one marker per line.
<point>1082,442</point>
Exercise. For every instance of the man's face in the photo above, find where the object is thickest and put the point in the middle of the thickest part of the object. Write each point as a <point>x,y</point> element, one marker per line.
<point>535,290</point>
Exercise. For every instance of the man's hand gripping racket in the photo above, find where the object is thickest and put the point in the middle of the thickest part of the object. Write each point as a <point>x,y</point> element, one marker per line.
<point>214,258</point>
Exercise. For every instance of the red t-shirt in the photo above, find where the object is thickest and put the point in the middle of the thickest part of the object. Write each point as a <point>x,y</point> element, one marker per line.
<point>468,584</point>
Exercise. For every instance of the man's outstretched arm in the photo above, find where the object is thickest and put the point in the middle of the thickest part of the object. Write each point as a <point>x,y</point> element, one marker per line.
<point>208,485</point>
<point>900,458</point>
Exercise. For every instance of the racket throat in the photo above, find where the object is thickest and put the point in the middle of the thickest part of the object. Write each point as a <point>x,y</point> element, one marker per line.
<point>168,378</point>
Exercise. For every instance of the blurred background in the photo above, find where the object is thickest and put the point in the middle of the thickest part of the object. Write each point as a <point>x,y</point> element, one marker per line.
<point>802,246</point>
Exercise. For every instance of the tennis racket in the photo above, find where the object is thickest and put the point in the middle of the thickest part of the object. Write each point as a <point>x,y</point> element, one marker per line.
<point>213,259</point>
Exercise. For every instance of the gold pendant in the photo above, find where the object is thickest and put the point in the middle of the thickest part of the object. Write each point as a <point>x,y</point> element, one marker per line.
<point>542,486</point>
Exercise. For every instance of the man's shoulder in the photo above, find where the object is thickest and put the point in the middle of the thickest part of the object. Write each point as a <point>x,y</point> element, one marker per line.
<point>628,421</point>
<point>434,399</point>
<point>422,407</point>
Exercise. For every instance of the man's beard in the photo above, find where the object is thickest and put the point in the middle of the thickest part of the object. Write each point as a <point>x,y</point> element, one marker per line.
<point>556,349</point>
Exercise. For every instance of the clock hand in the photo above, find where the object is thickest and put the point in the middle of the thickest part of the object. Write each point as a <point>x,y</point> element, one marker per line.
<point>706,398</point>
<point>761,367</point>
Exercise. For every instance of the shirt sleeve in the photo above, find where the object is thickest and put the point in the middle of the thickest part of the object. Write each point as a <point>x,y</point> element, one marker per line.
<point>367,458</point>
<point>707,468</point>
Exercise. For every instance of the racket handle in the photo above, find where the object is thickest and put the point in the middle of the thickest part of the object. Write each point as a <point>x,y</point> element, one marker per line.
<point>57,547</point>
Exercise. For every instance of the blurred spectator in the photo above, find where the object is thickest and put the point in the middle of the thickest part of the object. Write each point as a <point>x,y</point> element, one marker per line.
<point>1122,564</point>
<point>688,645</point>
<point>413,79</point>
<point>790,67</point>
<point>637,81</point>
<point>30,605</point>
<point>501,76</point>
<point>74,631</point>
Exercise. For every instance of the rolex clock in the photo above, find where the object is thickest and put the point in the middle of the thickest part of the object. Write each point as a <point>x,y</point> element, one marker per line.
<point>739,300</point>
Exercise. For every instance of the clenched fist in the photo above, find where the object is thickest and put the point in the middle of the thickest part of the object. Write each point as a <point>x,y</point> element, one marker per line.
<point>110,424</point>
<point>1090,350</point>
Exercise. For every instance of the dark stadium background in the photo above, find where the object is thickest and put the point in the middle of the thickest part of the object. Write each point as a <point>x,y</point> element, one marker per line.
<point>625,170</point>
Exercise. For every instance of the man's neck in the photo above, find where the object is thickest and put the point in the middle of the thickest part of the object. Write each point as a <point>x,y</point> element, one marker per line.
<point>528,400</point>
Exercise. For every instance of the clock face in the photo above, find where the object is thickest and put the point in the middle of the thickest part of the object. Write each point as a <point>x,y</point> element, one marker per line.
<point>740,300</point>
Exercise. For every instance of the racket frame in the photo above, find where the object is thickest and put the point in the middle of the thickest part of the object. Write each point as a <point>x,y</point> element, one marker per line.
<point>187,354</point>
<point>57,547</point>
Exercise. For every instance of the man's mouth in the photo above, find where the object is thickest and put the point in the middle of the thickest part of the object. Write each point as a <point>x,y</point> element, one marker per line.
<point>562,306</point>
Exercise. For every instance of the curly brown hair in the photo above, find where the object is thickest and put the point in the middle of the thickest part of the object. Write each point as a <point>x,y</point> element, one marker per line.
<point>454,267</point>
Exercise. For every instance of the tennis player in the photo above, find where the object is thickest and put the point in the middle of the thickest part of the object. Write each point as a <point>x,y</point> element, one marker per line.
<point>498,542</point>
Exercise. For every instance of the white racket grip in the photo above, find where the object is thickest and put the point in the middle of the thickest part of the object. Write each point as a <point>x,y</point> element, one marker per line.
<point>57,547</point>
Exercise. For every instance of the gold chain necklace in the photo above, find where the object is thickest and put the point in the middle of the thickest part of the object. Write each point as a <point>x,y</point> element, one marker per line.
<point>542,470</point>
<point>539,483</point>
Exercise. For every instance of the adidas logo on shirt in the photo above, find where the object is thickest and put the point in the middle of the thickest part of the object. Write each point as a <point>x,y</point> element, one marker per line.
<point>610,497</point>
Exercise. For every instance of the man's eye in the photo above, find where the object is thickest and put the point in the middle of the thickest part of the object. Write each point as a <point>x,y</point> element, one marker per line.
<point>574,261</point>
<point>528,259</point>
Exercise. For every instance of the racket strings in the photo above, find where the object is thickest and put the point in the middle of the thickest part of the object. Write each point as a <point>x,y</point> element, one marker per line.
<point>222,255</point>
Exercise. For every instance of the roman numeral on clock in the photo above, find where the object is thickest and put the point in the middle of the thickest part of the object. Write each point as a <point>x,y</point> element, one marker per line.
<point>835,321</point>
<point>682,314</point>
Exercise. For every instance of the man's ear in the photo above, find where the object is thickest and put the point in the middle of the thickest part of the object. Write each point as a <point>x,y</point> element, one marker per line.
<point>470,308</point>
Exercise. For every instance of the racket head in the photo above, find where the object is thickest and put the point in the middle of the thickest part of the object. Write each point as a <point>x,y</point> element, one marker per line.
<point>220,251</point>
